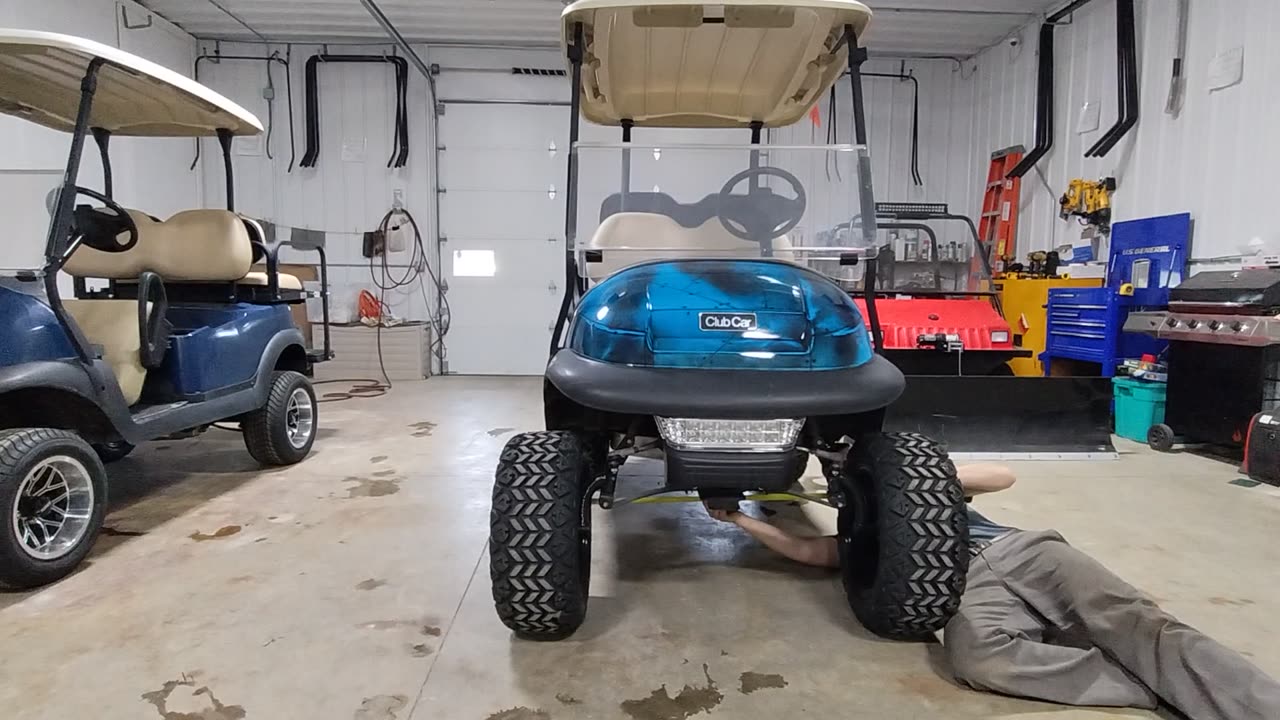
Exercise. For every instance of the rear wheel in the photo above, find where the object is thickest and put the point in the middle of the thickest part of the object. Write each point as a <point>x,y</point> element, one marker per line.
<point>540,534</point>
<point>282,431</point>
<point>53,495</point>
<point>903,535</point>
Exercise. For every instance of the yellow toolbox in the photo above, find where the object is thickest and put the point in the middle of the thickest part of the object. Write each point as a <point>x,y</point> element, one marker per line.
<point>1024,301</point>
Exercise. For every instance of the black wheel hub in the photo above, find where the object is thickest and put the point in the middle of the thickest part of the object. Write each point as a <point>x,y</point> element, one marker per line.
<point>859,528</point>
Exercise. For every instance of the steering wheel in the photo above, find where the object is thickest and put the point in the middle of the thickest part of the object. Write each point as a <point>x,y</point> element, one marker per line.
<point>761,215</point>
<point>101,230</point>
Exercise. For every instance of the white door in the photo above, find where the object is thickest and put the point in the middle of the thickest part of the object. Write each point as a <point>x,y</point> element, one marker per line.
<point>503,170</point>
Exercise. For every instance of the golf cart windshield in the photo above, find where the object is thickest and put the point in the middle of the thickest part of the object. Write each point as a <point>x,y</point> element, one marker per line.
<point>924,248</point>
<point>638,203</point>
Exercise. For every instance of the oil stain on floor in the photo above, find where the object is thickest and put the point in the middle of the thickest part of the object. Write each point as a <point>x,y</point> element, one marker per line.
<point>691,700</point>
<point>500,431</point>
<point>371,487</point>
<point>423,429</point>
<point>370,584</point>
<point>198,703</point>
<point>749,682</point>
<point>381,707</point>
<point>222,532</point>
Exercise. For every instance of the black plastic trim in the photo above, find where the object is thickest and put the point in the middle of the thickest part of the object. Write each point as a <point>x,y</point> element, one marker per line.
<point>729,470</point>
<point>725,394</point>
<point>66,375</point>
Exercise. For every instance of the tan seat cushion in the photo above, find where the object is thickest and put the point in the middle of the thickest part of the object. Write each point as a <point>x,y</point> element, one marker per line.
<point>191,246</point>
<point>113,324</point>
<point>259,277</point>
<point>630,238</point>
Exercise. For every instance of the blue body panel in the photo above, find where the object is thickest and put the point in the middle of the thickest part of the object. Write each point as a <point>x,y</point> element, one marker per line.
<point>29,331</point>
<point>650,315</point>
<point>216,348</point>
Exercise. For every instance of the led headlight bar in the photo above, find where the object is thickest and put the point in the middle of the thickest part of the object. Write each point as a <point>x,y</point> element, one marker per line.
<point>754,435</point>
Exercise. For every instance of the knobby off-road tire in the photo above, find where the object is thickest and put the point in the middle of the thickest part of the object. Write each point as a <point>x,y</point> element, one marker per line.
<point>283,431</point>
<point>53,497</point>
<point>904,535</point>
<point>539,553</point>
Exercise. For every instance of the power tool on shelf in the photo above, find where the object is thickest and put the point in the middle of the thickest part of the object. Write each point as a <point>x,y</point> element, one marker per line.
<point>1090,201</point>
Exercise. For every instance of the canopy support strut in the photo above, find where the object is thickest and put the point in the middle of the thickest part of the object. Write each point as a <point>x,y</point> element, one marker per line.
<point>577,51</point>
<point>866,191</point>
<point>102,137</point>
<point>224,139</point>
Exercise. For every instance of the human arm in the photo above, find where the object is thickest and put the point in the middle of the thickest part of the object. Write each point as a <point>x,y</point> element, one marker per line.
<point>816,551</point>
<point>982,478</point>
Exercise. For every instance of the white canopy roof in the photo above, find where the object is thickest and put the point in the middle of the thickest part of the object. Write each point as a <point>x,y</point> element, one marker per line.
<point>676,63</point>
<point>40,76</point>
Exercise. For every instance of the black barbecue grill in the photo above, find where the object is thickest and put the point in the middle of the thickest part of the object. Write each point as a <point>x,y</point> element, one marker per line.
<point>1223,330</point>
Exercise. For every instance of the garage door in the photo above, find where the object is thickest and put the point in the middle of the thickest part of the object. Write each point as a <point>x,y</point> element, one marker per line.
<point>502,214</point>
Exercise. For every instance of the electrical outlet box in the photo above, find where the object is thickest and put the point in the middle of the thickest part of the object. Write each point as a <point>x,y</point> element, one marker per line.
<point>268,93</point>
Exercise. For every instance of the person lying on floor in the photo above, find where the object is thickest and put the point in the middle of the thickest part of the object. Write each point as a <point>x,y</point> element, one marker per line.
<point>1040,619</point>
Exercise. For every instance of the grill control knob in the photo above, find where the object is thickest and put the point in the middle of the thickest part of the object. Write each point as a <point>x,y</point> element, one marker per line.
<point>1215,325</point>
<point>1237,326</point>
<point>1171,322</point>
<point>1193,324</point>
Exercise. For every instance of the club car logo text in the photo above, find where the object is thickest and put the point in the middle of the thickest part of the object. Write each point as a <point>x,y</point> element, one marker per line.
<point>727,321</point>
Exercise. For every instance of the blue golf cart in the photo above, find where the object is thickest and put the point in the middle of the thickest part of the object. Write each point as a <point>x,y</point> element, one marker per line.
<point>173,324</point>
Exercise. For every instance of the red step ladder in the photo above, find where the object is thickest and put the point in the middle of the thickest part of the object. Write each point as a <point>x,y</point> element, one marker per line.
<point>998,226</point>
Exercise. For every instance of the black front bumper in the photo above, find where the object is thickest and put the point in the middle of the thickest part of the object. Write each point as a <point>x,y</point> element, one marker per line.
<point>725,394</point>
<point>732,470</point>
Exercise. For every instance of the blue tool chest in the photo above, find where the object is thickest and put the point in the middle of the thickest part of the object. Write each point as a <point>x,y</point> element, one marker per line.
<point>1087,323</point>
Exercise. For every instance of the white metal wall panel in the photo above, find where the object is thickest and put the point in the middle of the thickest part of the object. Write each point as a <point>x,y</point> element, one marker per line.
<point>351,188</point>
<point>1211,160</point>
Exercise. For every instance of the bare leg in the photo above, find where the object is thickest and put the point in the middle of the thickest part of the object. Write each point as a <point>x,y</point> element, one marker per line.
<point>995,642</point>
<point>1188,670</point>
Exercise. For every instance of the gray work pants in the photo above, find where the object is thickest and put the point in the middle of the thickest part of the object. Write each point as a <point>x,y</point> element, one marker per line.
<point>1040,619</point>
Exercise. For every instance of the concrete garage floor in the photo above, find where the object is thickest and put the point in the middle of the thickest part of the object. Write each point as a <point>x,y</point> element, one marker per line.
<point>355,586</point>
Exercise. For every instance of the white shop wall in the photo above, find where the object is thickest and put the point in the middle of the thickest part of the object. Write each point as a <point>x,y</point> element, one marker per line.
<point>351,188</point>
<point>1210,160</point>
<point>148,173</point>
<point>945,162</point>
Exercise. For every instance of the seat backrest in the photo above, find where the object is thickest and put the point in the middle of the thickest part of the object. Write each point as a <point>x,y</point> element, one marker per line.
<point>113,324</point>
<point>629,238</point>
<point>191,246</point>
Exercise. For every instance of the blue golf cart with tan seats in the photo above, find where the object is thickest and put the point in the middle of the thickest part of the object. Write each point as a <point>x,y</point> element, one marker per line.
<point>709,320</point>
<point>174,325</point>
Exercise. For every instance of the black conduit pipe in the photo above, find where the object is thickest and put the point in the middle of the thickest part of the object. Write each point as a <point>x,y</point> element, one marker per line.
<point>288,84</point>
<point>1127,80</point>
<point>1044,105</point>
<point>400,150</point>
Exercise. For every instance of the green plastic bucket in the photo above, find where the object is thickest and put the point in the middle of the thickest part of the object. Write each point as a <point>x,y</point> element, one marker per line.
<point>1139,405</point>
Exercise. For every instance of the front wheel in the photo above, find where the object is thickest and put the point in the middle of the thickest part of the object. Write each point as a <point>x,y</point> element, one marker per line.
<point>53,496</point>
<point>903,535</point>
<point>540,534</point>
<point>282,431</point>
